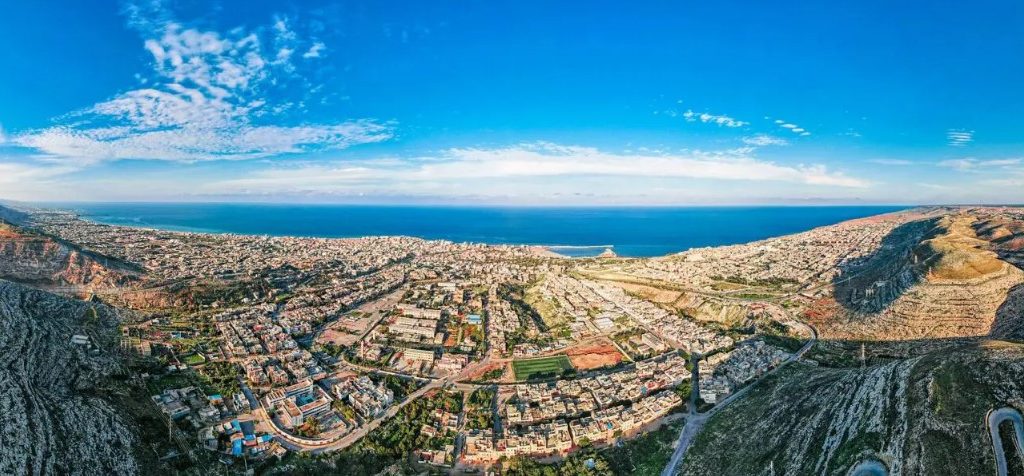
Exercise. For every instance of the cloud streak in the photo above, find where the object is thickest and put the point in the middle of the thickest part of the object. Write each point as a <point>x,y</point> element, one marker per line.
<point>483,167</point>
<point>792,128</point>
<point>761,140</point>
<point>971,164</point>
<point>959,137</point>
<point>717,119</point>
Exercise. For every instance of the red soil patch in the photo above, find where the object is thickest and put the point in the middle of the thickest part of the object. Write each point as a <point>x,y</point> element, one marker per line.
<point>593,356</point>
<point>482,370</point>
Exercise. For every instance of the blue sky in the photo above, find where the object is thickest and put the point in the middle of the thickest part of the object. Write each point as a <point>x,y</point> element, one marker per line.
<point>513,102</point>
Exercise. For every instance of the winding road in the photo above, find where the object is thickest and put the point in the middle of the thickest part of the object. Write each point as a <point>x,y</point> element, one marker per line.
<point>996,418</point>
<point>870,467</point>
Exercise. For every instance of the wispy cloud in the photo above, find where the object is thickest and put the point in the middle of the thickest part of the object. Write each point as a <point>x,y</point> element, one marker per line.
<point>959,137</point>
<point>315,51</point>
<point>792,128</point>
<point>206,98</point>
<point>761,140</point>
<point>27,181</point>
<point>482,167</point>
<point>898,162</point>
<point>705,117</point>
<point>719,119</point>
<point>975,164</point>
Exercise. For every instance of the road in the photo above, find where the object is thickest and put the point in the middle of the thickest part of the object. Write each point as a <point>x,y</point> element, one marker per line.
<point>696,421</point>
<point>350,438</point>
<point>996,418</point>
<point>293,443</point>
<point>870,467</point>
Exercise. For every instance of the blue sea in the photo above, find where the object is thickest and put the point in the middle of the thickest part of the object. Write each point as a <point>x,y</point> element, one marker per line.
<point>575,231</point>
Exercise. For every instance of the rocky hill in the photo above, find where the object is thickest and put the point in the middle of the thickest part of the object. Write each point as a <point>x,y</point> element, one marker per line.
<point>56,410</point>
<point>934,278</point>
<point>921,415</point>
<point>43,261</point>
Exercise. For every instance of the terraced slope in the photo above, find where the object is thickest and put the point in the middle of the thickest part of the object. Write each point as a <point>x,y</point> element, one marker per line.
<point>52,418</point>
<point>935,279</point>
<point>922,415</point>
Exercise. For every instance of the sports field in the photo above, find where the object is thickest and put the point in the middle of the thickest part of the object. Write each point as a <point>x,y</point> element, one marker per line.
<point>540,367</point>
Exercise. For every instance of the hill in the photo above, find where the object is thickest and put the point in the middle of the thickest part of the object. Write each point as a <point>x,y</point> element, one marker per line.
<point>58,410</point>
<point>34,258</point>
<point>931,278</point>
<point>921,415</point>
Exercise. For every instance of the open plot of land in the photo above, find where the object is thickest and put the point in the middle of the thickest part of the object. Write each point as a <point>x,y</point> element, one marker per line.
<point>547,308</point>
<point>594,356</point>
<point>650,293</point>
<point>337,337</point>
<point>540,367</point>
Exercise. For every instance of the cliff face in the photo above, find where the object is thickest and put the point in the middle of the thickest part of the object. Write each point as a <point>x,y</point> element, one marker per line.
<point>42,261</point>
<point>54,418</point>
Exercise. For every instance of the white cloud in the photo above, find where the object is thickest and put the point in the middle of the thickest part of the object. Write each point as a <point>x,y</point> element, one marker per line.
<point>315,50</point>
<point>761,140</point>
<point>975,164</point>
<point>206,99</point>
<point>480,169</point>
<point>21,181</point>
<point>236,142</point>
<point>899,162</point>
<point>800,131</point>
<point>705,117</point>
<point>959,137</point>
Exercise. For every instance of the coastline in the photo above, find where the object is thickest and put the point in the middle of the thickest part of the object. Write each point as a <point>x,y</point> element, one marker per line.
<point>572,233</point>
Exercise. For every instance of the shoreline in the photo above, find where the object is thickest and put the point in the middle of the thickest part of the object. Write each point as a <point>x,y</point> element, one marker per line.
<point>646,241</point>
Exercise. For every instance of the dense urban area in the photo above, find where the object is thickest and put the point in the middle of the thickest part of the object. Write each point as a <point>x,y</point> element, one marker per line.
<point>810,353</point>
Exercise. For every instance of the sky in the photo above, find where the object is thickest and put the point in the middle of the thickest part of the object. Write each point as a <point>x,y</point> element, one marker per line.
<point>518,102</point>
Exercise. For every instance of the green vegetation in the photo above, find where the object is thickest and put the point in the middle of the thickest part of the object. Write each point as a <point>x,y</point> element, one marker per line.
<point>219,377</point>
<point>754,296</point>
<point>386,446</point>
<point>400,386</point>
<point>194,359</point>
<point>547,308</point>
<point>514,294</point>
<point>956,392</point>
<point>344,409</point>
<point>478,413</point>
<point>493,374</point>
<point>171,380</point>
<point>789,344</point>
<point>542,367</point>
<point>646,455</point>
<point>773,282</point>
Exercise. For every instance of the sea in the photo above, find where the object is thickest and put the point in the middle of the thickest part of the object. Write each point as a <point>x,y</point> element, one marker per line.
<point>571,231</point>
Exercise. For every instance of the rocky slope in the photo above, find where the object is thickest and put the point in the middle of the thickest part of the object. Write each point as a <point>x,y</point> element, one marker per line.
<point>921,415</point>
<point>934,278</point>
<point>40,260</point>
<point>54,418</point>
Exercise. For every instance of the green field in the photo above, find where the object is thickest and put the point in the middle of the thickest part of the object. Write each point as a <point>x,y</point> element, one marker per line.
<point>541,367</point>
